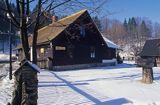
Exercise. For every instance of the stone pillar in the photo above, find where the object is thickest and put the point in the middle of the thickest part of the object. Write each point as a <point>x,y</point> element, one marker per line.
<point>26,85</point>
<point>17,93</point>
<point>29,86</point>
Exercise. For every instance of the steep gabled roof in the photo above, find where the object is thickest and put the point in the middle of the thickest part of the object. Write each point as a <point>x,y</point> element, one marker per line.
<point>151,48</point>
<point>51,31</point>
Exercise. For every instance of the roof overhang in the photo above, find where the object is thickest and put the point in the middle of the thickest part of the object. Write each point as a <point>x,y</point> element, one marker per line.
<point>109,43</point>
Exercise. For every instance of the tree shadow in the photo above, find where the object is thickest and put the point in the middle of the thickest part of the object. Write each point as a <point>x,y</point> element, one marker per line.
<point>134,76</point>
<point>119,101</point>
<point>51,84</point>
<point>156,76</point>
<point>45,82</point>
<point>88,96</point>
<point>118,66</point>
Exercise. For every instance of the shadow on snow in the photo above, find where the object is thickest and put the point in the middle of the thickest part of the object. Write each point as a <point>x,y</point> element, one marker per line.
<point>118,101</point>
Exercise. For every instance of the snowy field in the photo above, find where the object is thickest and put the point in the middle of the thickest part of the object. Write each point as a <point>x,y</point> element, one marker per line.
<point>117,85</point>
<point>6,85</point>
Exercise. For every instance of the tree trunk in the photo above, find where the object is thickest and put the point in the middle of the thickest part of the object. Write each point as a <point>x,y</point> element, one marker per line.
<point>23,28</point>
<point>34,46</point>
<point>35,33</point>
<point>147,75</point>
<point>25,44</point>
<point>17,93</point>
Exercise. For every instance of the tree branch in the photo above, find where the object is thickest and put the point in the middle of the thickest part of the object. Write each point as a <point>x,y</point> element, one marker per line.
<point>10,13</point>
<point>35,35</point>
<point>7,20</point>
<point>18,6</point>
<point>59,4</point>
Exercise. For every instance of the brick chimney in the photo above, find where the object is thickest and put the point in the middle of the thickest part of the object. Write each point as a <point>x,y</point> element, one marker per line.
<point>54,19</point>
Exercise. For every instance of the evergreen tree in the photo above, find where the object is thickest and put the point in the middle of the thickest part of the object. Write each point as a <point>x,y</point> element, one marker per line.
<point>134,31</point>
<point>144,30</point>
<point>125,24</point>
<point>45,19</point>
<point>133,22</point>
<point>129,25</point>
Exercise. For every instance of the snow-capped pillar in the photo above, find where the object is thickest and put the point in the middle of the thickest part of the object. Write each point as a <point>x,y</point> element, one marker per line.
<point>26,84</point>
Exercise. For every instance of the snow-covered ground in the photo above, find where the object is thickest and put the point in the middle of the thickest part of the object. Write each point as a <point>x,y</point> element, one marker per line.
<point>4,57</point>
<point>117,85</point>
<point>6,85</point>
<point>4,68</point>
<point>6,88</point>
<point>114,85</point>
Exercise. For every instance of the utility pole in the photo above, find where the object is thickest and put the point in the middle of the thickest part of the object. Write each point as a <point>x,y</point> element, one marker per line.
<point>10,50</point>
<point>10,47</point>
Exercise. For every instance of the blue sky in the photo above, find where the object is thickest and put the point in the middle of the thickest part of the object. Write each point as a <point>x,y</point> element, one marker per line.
<point>122,9</point>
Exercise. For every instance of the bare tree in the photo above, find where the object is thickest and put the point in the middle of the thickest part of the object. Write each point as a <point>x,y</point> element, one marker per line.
<point>22,21</point>
<point>156,30</point>
<point>115,31</point>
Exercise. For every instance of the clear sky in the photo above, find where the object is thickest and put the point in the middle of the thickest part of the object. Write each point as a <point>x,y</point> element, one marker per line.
<point>122,9</point>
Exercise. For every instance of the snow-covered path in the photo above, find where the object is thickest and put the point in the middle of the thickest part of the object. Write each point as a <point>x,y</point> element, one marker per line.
<point>119,85</point>
<point>58,91</point>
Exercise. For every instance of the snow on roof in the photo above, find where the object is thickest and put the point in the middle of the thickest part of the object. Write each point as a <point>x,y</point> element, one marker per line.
<point>110,43</point>
<point>33,66</point>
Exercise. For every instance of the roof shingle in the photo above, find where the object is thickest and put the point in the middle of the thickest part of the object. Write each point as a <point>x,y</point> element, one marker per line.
<point>151,48</point>
<point>49,32</point>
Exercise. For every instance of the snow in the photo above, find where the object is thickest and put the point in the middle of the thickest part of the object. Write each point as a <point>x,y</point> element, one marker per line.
<point>6,88</point>
<point>34,66</point>
<point>3,70</point>
<point>110,43</point>
<point>4,57</point>
<point>114,85</point>
<point>6,85</point>
<point>110,61</point>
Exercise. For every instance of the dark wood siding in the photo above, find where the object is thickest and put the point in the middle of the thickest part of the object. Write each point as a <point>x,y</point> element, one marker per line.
<point>75,46</point>
<point>79,48</point>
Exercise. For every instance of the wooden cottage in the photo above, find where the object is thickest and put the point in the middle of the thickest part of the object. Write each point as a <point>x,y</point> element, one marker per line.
<point>152,49</point>
<point>72,40</point>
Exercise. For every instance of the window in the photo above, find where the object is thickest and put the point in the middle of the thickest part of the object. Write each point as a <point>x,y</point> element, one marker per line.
<point>92,54</point>
<point>82,30</point>
<point>42,50</point>
<point>60,48</point>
